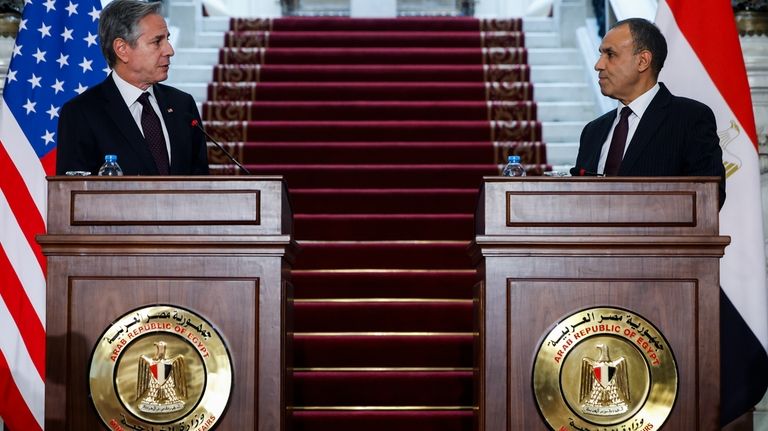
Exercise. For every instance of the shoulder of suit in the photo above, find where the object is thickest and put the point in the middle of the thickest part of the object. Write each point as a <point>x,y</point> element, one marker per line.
<point>690,108</point>
<point>687,103</point>
<point>88,95</point>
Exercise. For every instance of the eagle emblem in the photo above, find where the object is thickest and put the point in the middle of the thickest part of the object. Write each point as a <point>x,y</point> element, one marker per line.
<point>604,385</point>
<point>161,384</point>
<point>731,161</point>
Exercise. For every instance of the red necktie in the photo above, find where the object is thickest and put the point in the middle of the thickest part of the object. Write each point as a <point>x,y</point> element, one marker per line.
<point>618,141</point>
<point>153,134</point>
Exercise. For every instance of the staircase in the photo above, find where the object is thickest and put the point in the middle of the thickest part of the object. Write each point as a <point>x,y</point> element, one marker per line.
<point>383,130</point>
<point>564,102</point>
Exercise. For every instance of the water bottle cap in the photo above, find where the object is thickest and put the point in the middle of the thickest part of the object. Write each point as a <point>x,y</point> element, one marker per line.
<point>514,159</point>
<point>110,158</point>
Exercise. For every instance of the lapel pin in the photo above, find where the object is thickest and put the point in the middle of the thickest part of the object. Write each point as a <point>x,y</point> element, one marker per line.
<point>170,110</point>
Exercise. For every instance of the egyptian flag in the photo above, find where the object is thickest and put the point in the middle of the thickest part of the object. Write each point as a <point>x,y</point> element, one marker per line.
<point>705,63</point>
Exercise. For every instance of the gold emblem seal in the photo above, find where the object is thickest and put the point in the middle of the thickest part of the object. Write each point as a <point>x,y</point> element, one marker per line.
<point>605,369</point>
<point>160,366</point>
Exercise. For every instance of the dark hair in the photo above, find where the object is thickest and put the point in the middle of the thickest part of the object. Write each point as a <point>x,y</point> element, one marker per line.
<point>646,36</point>
<point>120,19</point>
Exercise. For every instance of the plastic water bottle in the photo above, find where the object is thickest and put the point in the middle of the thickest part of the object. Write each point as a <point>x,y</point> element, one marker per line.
<point>514,168</point>
<point>110,167</point>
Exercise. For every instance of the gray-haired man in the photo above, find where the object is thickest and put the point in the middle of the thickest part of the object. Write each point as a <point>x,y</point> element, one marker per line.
<point>146,124</point>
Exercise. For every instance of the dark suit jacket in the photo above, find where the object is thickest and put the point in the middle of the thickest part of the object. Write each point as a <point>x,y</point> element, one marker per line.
<point>98,122</point>
<point>675,137</point>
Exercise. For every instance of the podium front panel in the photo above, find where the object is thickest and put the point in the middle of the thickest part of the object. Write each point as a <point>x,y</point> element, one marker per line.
<point>230,305</point>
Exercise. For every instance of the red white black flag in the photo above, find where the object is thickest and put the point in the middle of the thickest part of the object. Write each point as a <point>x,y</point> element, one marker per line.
<point>705,63</point>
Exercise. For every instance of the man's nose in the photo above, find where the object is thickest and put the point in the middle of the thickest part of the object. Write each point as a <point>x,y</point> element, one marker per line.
<point>599,65</point>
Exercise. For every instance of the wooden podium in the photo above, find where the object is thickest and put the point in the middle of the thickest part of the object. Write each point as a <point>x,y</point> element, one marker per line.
<point>219,246</point>
<point>549,247</point>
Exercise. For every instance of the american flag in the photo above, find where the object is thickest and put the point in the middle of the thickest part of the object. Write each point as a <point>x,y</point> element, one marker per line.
<point>56,57</point>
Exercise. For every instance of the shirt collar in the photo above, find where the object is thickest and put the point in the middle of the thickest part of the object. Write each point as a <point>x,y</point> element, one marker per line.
<point>129,92</point>
<point>639,105</point>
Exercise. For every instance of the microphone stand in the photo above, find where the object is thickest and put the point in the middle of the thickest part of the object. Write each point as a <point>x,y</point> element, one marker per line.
<point>195,123</point>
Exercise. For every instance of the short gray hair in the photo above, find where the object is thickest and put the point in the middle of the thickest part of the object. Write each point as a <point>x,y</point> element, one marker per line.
<point>120,20</point>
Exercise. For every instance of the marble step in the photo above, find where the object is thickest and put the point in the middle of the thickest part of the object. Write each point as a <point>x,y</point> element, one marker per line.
<point>189,73</point>
<point>566,111</point>
<point>754,46</point>
<point>539,24</point>
<point>541,39</point>
<point>562,155</point>
<point>557,73</point>
<point>554,56</point>
<point>560,91</point>
<point>561,131</point>
<point>195,56</point>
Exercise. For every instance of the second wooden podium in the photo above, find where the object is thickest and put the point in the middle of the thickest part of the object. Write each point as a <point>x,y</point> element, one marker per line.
<point>598,304</point>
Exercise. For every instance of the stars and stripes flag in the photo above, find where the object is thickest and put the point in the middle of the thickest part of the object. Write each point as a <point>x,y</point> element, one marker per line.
<point>705,63</point>
<point>56,57</point>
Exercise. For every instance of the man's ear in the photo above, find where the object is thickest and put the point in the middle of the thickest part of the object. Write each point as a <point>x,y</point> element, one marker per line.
<point>121,49</point>
<point>644,59</point>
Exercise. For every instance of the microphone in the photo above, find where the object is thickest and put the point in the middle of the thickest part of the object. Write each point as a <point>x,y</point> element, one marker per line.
<point>581,172</point>
<point>195,123</point>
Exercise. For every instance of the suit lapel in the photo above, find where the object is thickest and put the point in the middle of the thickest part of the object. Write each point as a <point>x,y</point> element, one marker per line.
<point>646,130</point>
<point>596,141</point>
<point>127,127</point>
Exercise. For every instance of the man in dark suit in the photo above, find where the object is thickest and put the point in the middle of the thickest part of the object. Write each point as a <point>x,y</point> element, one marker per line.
<point>666,135</point>
<point>659,134</point>
<point>146,124</point>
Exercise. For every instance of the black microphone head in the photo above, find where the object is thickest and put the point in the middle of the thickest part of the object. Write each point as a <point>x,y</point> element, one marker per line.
<point>576,172</point>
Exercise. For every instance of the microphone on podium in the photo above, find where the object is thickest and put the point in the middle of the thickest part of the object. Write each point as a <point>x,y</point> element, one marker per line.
<point>195,123</point>
<point>581,172</point>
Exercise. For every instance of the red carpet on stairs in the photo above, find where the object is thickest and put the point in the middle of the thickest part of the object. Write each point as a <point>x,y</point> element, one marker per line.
<point>383,130</point>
